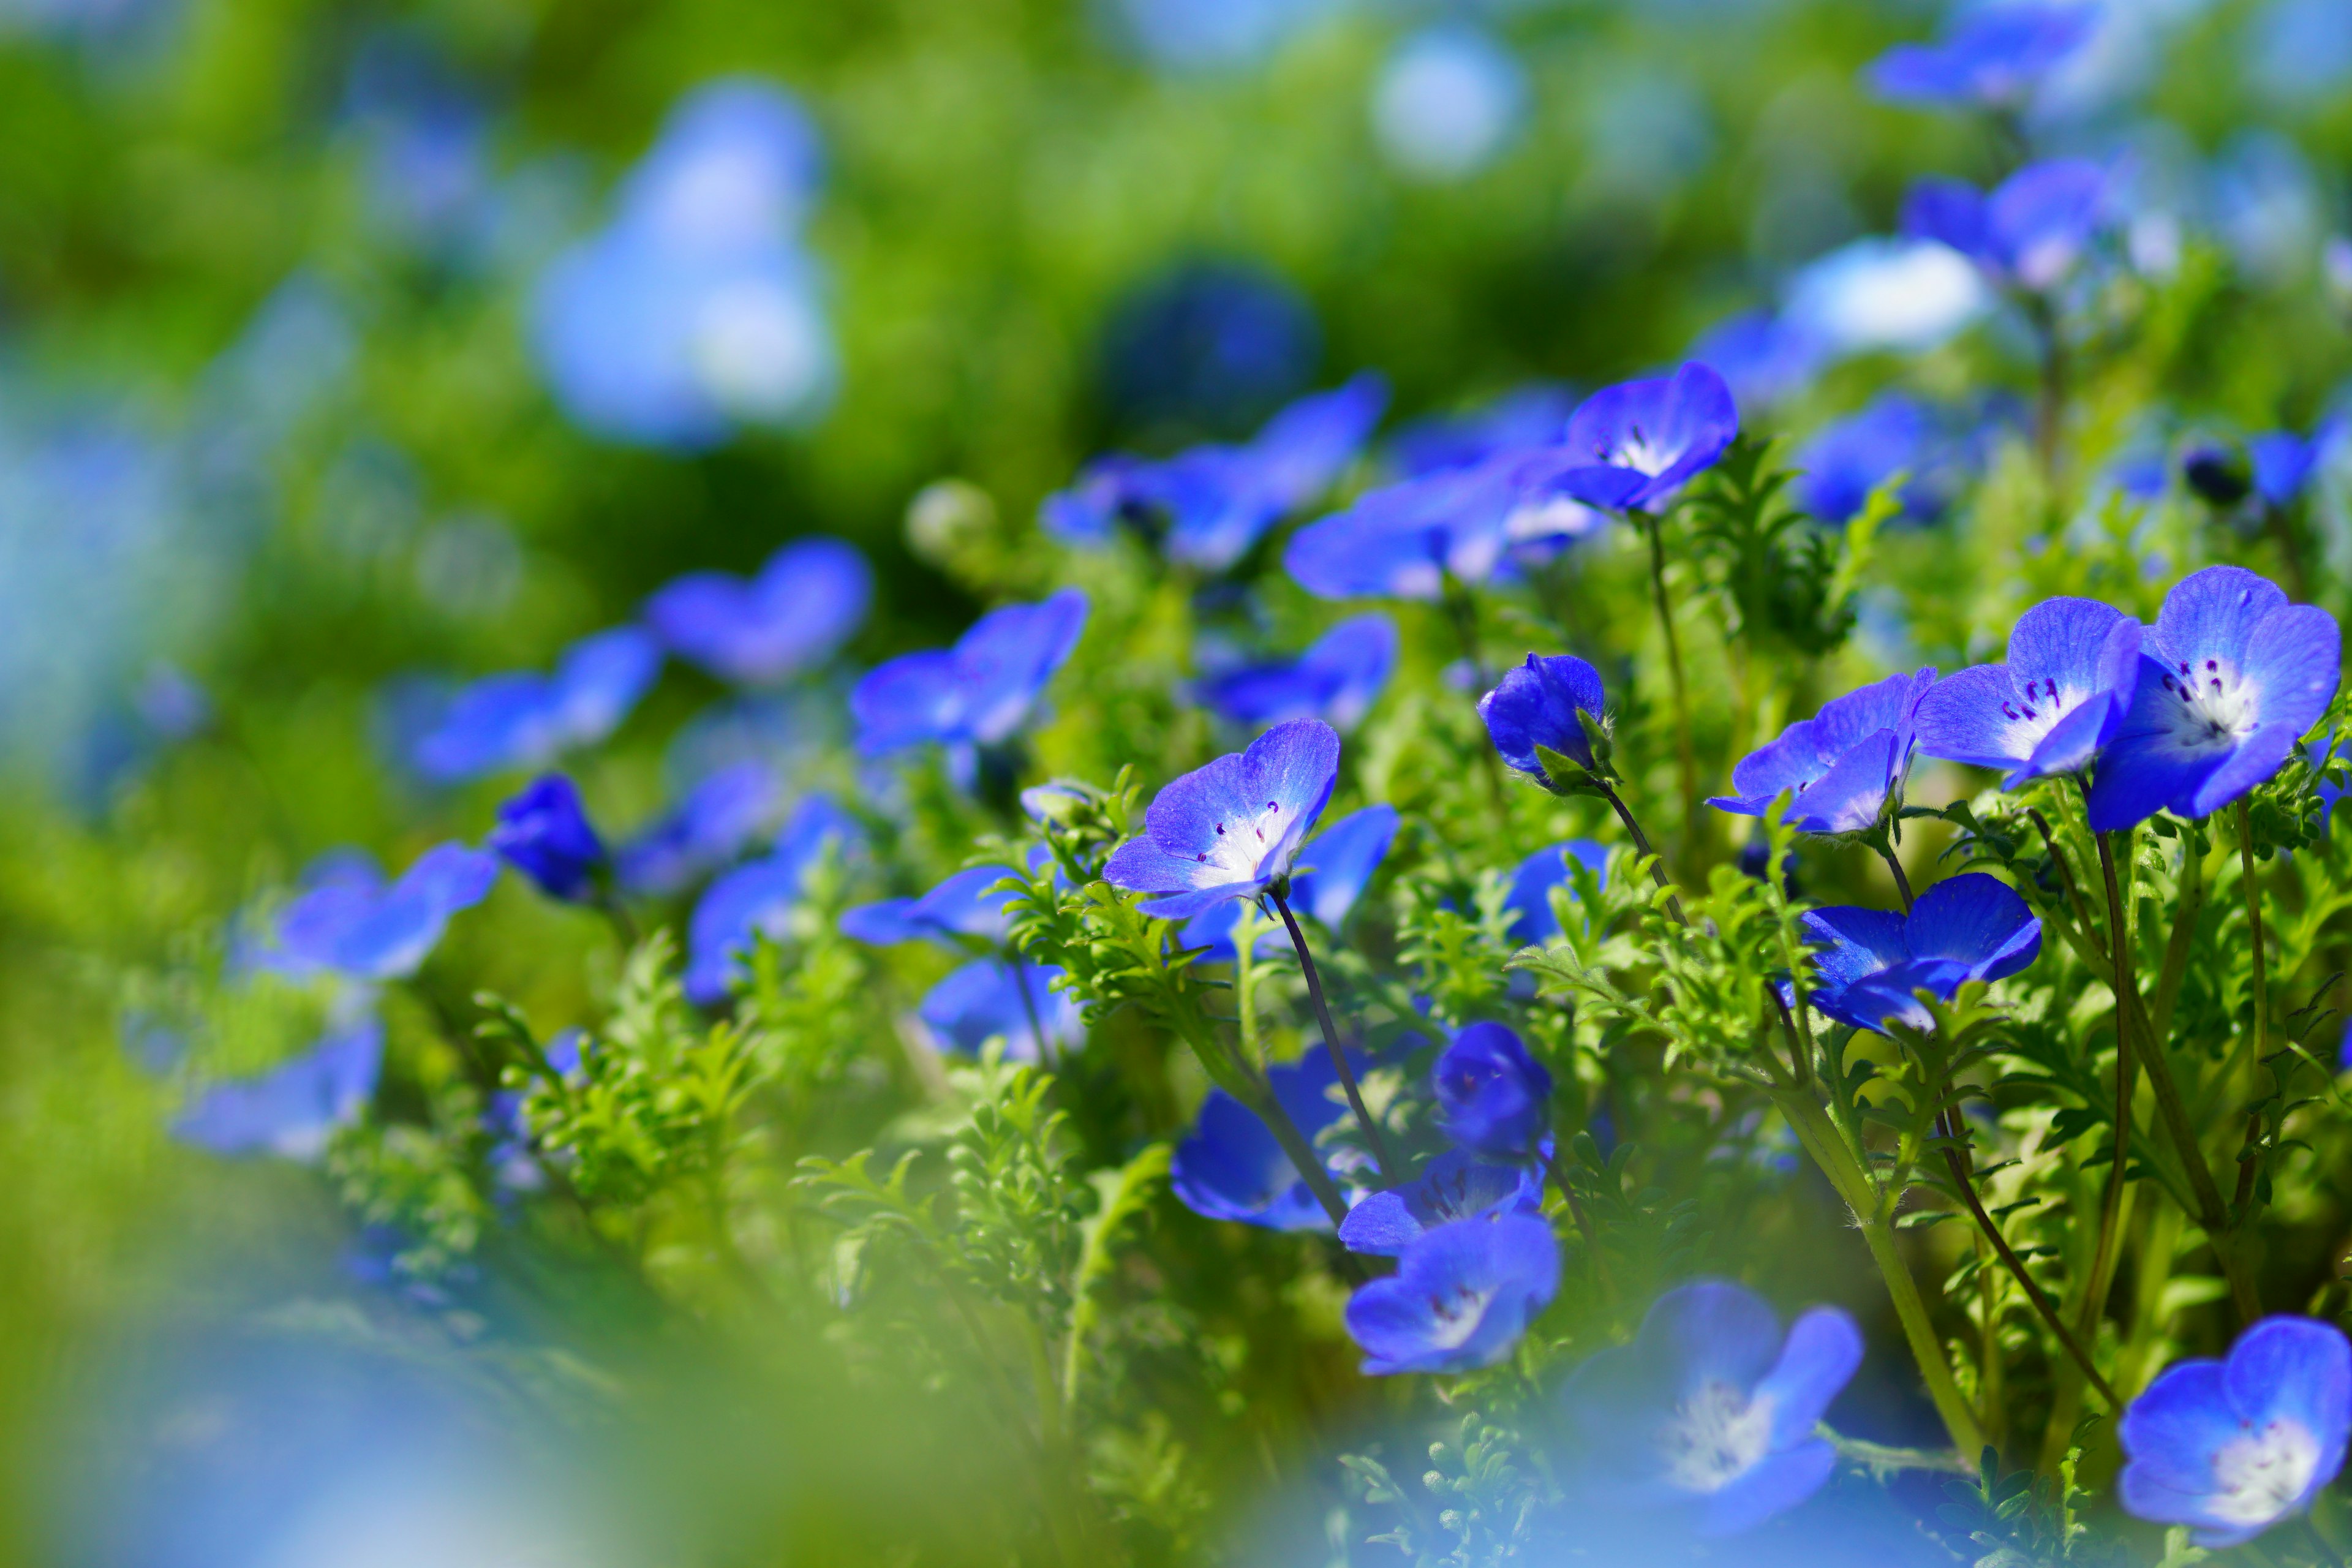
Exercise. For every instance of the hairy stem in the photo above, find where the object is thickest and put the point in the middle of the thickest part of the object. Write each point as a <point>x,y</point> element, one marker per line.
<point>1381,1157</point>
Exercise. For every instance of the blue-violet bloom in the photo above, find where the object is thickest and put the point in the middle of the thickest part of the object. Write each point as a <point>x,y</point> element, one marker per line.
<point>523,719</point>
<point>962,906</point>
<point>1529,900</point>
<point>2284,462</point>
<point>1461,1298</point>
<point>1537,705</point>
<point>1229,1167</point>
<point>998,998</point>
<point>293,1110</point>
<point>352,922</point>
<point>806,601</point>
<point>1991,58</point>
<point>1457,1186</point>
<point>1336,679</point>
<point>1968,927</point>
<point>978,693</point>
<point>1231,829</point>
<point>2072,667</point>
<point>1339,862</point>
<point>1846,764</point>
<point>717,820</point>
<point>544,833</point>
<point>2028,233</point>
<point>1635,444</point>
<point>1840,464</point>
<point>758,898</point>
<point>1404,540</point>
<point>1493,1099</point>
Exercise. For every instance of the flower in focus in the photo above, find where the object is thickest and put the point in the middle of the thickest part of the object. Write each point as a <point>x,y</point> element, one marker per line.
<point>1229,1167</point>
<point>1637,442</point>
<point>1710,1410</point>
<point>294,1108</point>
<point>1457,1186</point>
<point>2072,667</point>
<point>1461,1298</point>
<point>1529,899</point>
<point>757,898</point>
<point>1231,829</point>
<point>523,719</point>
<point>2028,233</point>
<point>1339,862</point>
<point>544,833</point>
<point>718,819</point>
<point>1992,56</point>
<point>1336,679</point>
<point>1544,702</point>
<point>805,602</point>
<point>1009,999</point>
<point>2231,676</point>
<point>1965,928</point>
<point>978,693</point>
<point>2231,1447</point>
<point>351,922</point>
<point>1493,1099</point>
<point>1846,764</point>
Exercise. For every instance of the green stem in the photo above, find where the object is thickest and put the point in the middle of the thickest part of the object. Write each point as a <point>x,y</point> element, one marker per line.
<point>2254,892</point>
<point>1583,1223</point>
<point>1885,848</point>
<point>2111,1207</point>
<point>1381,1157</point>
<point>1685,753</point>
<point>1642,847</point>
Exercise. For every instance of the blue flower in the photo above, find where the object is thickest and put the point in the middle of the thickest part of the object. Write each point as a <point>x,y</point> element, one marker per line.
<point>1635,444</point>
<point>1846,764</point>
<point>1710,1410</point>
<point>523,719</point>
<point>978,693</point>
<point>294,1108</point>
<point>1762,357</point>
<point>1992,56</point>
<point>1403,541</point>
<point>1461,1298</point>
<point>757,899</point>
<point>1537,705</point>
<point>544,834</point>
<point>718,819</point>
<point>2229,677</point>
<point>1529,900</point>
<point>1535,415</point>
<point>805,602</point>
<point>1493,1099</point>
<point>1877,293</point>
<point>2231,1447</point>
<point>1457,1186</point>
<point>1449,100</point>
<point>1233,828</point>
<point>1336,679</point>
<point>2284,462</point>
<point>995,998</point>
<point>1339,862</point>
<point>962,906</point>
<point>351,922</point>
<point>1968,927</point>
<point>2027,234</point>
<point>1229,1167</point>
<point>1840,464</point>
<point>2072,667</point>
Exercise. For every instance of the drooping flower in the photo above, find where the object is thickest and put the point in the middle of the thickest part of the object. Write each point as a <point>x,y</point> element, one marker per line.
<point>717,820</point>
<point>1991,59</point>
<point>1635,444</point>
<point>757,898</point>
<point>1338,861</point>
<point>2072,667</point>
<point>1710,1410</point>
<point>2028,233</point>
<point>997,998</point>
<point>1529,900</point>
<point>523,720</point>
<point>1846,764</point>
<point>978,693</point>
<point>545,834</point>
<point>805,603</point>
<point>1336,679</point>
<point>1229,1167</point>
<point>1537,705</point>
<point>294,1108</point>
<point>1493,1099</point>
<point>1457,1186</point>
<point>1968,927</point>
<point>1233,828</point>
<point>349,921</point>
<point>2229,677</point>
<point>2231,1447</point>
<point>1461,1298</point>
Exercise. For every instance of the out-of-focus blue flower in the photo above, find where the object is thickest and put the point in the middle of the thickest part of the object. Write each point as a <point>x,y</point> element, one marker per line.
<point>962,906</point>
<point>1449,100</point>
<point>2229,677</point>
<point>1215,501</point>
<point>1462,1296</point>
<point>1879,293</point>
<point>1846,764</point>
<point>1457,1186</point>
<point>1493,1099</point>
<point>2284,462</point>
<point>1231,829</point>
<point>1635,444</point>
<point>1229,1167</point>
<point>2298,50</point>
<point>1336,679</point>
<point>170,703</point>
<point>1339,861</point>
<point>718,819</point>
<point>2231,1448</point>
<point>1844,462</point>
<point>1535,415</point>
<point>1529,900</point>
<point>1763,357</point>
<point>523,719</point>
<point>996,998</point>
<point>349,921</point>
<point>978,693</point>
<point>1213,34</point>
<point>758,898</point>
<point>1210,346</point>
<point>425,140</point>
<point>544,833</point>
<point>1991,58</point>
<point>2072,667</point>
<point>1403,541</point>
<point>1710,1412</point>
<point>2028,234</point>
<point>809,598</point>
<point>1537,705</point>
<point>293,1110</point>
<point>1968,927</point>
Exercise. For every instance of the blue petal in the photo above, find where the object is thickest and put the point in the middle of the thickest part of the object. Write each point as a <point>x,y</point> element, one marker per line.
<point>391,937</point>
<point>291,1111</point>
<point>1004,662</point>
<point>1341,861</point>
<point>1461,1298</point>
<point>807,600</point>
<point>1537,705</point>
<point>1711,1331</point>
<point>1774,1484</point>
<point>1818,1358</point>
<point>995,998</point>
<point>2041,217</point>
<point>1531,884</point>
<point>2299,1370</point>
<point>2171,1432</point>
<point>1977,921</point>
<point>1853,794</point>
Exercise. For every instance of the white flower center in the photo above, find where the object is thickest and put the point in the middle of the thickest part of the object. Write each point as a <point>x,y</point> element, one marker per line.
<point>1714,1436</point>
<point>1639,452</point>
<point>1456,1314</point>
<point>2037,712</point>
<point>2211,707</point>
<point>2259,1475</point>
<point>1241,846</point>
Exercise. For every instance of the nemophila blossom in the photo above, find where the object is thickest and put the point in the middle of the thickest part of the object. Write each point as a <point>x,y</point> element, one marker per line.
<point>1763,356</point>
<point>758,898</point>
<point>1840,464</point>
<point>1231,830</point>
<point>1710,1410</point>
<point>1846,764</point>
<point>1635,444</point>
<point>2284,462</point>
<point>805,602</point>
<point>1991,59</point>
<point>1457,1186</point>
<point>1538,704</point>
<point>997,998</point>
<point>2231,676</point>
<point>1968,927</point>
<point>545,834</point>
<point>294,1108</point>
<point>1461,1298</point>
<point>349,921</point>
<point>1531,415</point>
<point>1229,1167</point>
<point>2072,667</point>
<point>962,906</point>
<point>1338,863</point>
<point>1336,679</point>
<point>1529,900</point>
<point>978,693</point>
<point>523,720</point>
<point>1207,344</point>
<point>1493,1099</point>
<point>2028,233</point>
<point>716,821</point>
<point>2231,1448</point>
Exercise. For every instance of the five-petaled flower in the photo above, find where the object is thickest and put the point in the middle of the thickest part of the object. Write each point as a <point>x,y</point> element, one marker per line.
<point>1846,764</point>
<point>1231,830</point>
<point>1456,1185</point>
<point>1462,1296</point>
<point>544,833</point>
<point>1493,1099</point>
<point>2072,667</point>
<point>1635,444</point>
<point>1968,927</point>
